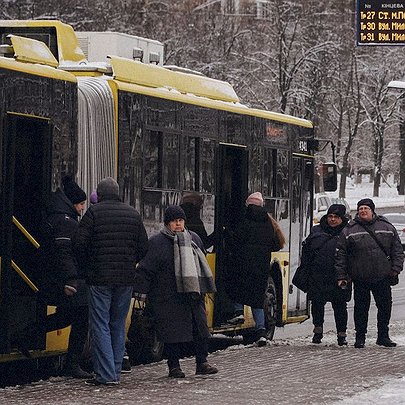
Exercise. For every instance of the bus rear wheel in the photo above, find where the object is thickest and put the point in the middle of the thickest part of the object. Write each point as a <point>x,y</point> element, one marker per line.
<point>270,308</point>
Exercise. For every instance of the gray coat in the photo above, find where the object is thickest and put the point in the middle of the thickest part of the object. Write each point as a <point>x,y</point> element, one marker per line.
<point>359,257</point>
<point>172,312</point>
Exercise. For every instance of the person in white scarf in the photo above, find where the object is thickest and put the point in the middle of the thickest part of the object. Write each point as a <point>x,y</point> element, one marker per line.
<point>173,278</point>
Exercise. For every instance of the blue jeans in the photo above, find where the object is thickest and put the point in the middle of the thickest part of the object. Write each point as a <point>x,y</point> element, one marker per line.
<point>108,309</point>
<point>258,316</point>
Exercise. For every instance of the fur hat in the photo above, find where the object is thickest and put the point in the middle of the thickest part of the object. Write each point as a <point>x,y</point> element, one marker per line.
<point>72,191</point>
<point>366,201</point>
<point>173,212</point>
<point>255,199</point>
<point>337,209</point>
<point>107,187</point>
<point>192,198</point>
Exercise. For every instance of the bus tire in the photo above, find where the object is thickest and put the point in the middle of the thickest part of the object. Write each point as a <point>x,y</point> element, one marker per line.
<point>270,308</point>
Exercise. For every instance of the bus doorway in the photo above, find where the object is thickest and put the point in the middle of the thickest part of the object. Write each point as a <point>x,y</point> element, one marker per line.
<point>232,181</point>
<point>302,193</point>
<point>25,179</point>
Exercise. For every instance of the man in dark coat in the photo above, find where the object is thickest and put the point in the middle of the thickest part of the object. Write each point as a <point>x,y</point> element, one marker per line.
<point>110,241</point>
<point>369,252</point>
<point>174,276</point>
<point>248,268</point>
<point>60,283</point>
<point>318,251</point>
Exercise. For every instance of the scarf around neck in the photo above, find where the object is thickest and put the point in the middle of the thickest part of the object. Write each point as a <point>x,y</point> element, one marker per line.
<point>191,269</point>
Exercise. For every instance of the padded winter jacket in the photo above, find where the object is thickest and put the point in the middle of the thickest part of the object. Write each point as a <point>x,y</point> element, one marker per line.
<point>58,266</point>
<point>359,257</point>
<point>318,251</point>
<point>110,241</point>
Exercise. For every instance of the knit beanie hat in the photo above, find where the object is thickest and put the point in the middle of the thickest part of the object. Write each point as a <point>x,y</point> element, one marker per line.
<point>255,199</point>
<point>366,201</point>
<point>337,209</point>
<point>173,212</point>
<point>94,197</point>
<point>107,187</point>
<point>72,191</point>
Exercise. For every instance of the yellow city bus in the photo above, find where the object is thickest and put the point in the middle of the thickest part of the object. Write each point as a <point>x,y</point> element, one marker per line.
<point>160,132</point>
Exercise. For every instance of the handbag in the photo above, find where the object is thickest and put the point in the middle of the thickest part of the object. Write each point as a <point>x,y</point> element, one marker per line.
<point>302,274</point>
<point>301,278</point>
<point>141,328</point>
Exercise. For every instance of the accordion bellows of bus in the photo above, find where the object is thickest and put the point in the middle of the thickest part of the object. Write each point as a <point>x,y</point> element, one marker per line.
<point>162,132</point>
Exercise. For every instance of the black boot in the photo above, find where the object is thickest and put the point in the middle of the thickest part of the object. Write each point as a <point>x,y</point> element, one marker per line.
<point>360,341</point>
<point>176,373</point>
<point>341,339</point>
<point>386,342</point>
<point>318,335</point>
<point>76,371</point>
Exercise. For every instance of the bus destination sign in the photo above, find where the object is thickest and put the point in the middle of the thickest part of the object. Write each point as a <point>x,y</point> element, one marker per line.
<point>380,22</point>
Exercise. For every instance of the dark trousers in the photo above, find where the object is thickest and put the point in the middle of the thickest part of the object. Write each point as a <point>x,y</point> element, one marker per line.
<point>339,312</point>
<point>383,300</point>
<point>175,351</point>
<point>77,317</point>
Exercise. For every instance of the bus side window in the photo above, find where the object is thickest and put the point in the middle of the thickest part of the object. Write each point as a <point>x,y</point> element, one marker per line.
<point>308,175</point>
<point>207,165</point>
<point>153,159</point>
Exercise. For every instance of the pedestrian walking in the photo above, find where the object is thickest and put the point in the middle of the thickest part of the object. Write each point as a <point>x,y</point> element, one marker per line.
<point>61,283</point>
<point>369,252</point>
<point>318,251</point>
<point>110,241</point>
<point>248,268</point>
<point>173,278</point>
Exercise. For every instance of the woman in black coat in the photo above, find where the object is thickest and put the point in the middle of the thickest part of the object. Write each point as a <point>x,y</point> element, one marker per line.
<point>318,251</point>
<point>178,311</point>
<point>248,268</point>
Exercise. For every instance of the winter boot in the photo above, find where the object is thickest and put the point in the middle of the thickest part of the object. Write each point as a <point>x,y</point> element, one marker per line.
<point>176,373</point>
<point>386,342</point>
<point>341,339</point>
<point>360,341</point>
<point>76,371</point>
<point>318,335</point>
<point>261,337</point>
<point>205,368</point>
<point>126,364</point>
<point>237,318</point>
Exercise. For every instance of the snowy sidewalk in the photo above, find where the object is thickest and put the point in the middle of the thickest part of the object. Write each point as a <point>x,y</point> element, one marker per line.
<point>287,371</point>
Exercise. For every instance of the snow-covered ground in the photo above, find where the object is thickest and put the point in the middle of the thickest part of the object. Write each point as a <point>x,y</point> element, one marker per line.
<point>393,390</point>
<point>392,393</point>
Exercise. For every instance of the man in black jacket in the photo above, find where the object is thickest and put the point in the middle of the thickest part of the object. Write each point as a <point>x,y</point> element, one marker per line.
<point>369,252</point>
<point>110,241</point>
<point>60,282</point>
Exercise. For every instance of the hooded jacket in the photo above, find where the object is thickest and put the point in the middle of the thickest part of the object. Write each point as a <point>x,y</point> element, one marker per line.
<point>318,251</point>
<point>359,257</point>
<point>58,265</point>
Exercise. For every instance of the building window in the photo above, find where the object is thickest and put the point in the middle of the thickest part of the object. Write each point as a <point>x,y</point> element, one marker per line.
<point>230,6</point>
<point>263,9</point>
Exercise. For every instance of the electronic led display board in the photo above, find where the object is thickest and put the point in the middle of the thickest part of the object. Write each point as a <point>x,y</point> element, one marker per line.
<point>380,22</point>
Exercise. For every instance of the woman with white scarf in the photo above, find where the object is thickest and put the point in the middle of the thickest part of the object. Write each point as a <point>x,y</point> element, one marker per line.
<point>173,278</point>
